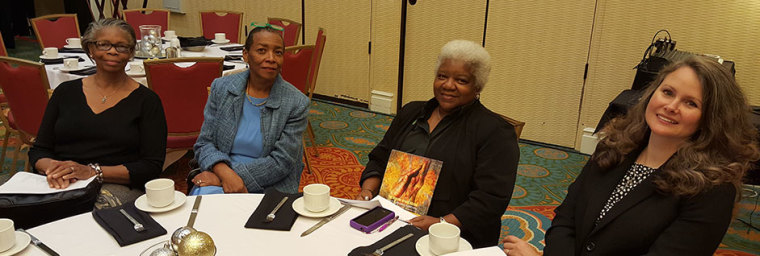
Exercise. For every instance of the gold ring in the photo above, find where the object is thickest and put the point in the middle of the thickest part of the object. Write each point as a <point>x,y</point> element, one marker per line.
<point>72,168</point>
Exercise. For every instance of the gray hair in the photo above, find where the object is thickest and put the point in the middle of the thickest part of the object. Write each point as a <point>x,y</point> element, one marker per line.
<point>475,56</point>
<point>90,34</point>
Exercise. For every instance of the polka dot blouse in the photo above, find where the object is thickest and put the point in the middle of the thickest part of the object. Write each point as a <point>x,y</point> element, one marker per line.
<point>632,178</point>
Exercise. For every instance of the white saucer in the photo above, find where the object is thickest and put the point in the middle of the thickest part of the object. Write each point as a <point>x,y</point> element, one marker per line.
<point>72,47</point>
<point>47,58</point>
<point>142,203</point>
<point>220,41</point>
<point>168,39</point>
<point>22,241</point>
<point>423,246</point>
<point>65,69</point>
<point>300,209</point>
<point>131,73</point>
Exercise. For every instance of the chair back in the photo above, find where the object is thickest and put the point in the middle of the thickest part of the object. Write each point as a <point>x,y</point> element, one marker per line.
<point>139,17</point>
<point>3,51</point>
<point>296,64</point>
<point>292,30</point>
<point>25,85</point>
<point>52,30</point>
<point>517,124</point>
<point>316,60</point>
<point>228,22</point>
<point>183,90</point>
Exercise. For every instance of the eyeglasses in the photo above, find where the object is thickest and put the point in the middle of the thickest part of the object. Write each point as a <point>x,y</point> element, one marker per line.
<point>267,25</point>
<point>105,46</point>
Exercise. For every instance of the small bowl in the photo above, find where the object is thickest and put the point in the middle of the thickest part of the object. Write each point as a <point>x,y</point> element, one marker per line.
<point>198,48</point>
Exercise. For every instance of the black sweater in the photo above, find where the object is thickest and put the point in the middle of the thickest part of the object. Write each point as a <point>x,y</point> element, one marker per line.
<point>132,133</point>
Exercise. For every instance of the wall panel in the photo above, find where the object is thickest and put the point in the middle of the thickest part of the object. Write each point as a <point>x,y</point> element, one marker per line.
<point>539,52</point>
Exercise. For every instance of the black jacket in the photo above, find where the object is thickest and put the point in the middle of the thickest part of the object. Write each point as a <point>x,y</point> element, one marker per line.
<point>643,222</point>
<point>480,156</point>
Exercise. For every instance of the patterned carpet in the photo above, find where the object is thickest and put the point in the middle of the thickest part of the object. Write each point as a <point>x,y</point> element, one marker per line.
<point>344,137</point>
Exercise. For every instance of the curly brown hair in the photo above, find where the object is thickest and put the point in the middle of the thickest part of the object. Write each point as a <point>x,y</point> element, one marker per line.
<point>720,151</point>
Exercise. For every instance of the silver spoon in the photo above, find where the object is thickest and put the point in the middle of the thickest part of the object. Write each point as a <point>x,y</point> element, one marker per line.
<point>180,233</point>
<point>271,216</point>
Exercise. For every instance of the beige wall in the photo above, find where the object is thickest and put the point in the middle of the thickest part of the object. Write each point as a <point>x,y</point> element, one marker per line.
<point>539,48</point>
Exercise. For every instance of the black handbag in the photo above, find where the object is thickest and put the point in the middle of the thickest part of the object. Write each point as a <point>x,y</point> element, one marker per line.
<point>31,210</point>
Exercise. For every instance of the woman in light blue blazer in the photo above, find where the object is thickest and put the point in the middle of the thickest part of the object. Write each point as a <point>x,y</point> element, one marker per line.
<point>251,136</point>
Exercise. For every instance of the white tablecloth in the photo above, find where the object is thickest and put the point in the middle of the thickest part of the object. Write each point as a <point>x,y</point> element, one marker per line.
<point>223,217</point>
<point>56,77</point>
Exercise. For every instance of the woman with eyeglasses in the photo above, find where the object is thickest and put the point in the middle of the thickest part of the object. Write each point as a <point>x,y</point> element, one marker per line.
<point>106,125</point>
<point>251,134</point>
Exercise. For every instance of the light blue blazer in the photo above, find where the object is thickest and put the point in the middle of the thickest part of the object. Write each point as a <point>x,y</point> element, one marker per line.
<point>283,120</point>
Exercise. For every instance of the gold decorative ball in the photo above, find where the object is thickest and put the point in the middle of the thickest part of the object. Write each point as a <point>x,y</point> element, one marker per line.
<point>197,244</point>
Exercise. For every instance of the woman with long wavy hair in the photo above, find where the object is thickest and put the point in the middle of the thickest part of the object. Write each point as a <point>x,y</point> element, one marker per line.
<point>665,177</point>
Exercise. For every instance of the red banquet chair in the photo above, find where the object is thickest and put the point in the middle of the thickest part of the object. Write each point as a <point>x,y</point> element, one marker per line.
<point>52,30</point>
<point>139,17</point>
<point>301,68</point>
<point>25,85</point>
<point>183,92</point>
<point>292,30</point>
<point>227,22</point>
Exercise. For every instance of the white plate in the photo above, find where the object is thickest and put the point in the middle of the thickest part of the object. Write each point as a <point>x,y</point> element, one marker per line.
<point>300,209</point>
<point>131,73</point>
<point>142,203</point>
<point>65,69</point>
<point>72,47</point>
<point>56,58</point>
<point>168,39</point>
<point>423,246</point>
<point>22,241</point>
<point>220,41</point>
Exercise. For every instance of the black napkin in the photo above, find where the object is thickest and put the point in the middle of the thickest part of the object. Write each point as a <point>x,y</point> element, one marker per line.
<point>122,229</point>
<point>286,216</point>
<point>228,67</point>
<point>85,72</point>
<point>232,48</point>
<point>193,41</point>
<point>58,60</point>
<point>70,50</point>
<point>233,57</point>
<point>407,247</point>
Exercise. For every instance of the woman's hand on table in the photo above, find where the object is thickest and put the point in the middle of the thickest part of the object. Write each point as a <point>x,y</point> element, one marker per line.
<point>424,222</point>
<point>364,195</point>
<point>514,246</point>
<point>206,179</point>
<point>60,174</point>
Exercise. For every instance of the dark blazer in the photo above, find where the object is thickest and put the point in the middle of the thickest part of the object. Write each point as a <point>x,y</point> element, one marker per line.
<point>645,222</point>
<point>480,156</point>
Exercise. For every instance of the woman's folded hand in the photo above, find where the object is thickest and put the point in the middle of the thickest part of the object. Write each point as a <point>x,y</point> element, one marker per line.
<point>60,174</point>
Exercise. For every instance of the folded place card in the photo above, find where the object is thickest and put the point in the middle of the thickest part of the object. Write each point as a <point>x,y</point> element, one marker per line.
<point>407,247</point>
<point>284,217</point>
<point>116,224</point>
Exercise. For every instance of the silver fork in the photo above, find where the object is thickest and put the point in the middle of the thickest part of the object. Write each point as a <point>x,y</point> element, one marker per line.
<point>138,227</point>
<point>271,216</point>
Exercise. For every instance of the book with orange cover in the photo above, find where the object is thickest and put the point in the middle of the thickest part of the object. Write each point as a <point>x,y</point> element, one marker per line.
<point>410,180</point>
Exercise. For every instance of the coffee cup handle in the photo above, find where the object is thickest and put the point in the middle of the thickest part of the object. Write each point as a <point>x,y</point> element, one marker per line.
<point>443,220</point>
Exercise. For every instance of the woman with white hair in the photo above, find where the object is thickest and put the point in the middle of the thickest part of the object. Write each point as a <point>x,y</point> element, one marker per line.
<point>478,147</point>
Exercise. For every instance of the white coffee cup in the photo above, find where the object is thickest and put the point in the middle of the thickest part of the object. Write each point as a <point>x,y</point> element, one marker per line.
<point>444,238</point>
<point>169,34</point>
<point>136,67</point>
<point>7,234</point>
<point>160,192</point>
<point>50,52</point>
<point>316,197</point>
<point>219,37</point>
<point>74,42</point>
<point>71,63</point>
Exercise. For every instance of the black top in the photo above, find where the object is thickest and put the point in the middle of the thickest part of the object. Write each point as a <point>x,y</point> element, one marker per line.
<point>480,156</point>
<point>132,132</point>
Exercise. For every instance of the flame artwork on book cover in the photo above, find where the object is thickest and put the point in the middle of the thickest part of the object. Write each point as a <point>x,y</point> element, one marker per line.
<point>410,180</point>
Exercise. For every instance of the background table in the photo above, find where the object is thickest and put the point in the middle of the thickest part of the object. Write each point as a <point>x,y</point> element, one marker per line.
<point>56,77</point>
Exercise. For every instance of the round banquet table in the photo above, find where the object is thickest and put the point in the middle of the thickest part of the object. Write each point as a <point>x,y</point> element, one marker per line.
<point>223,217</point>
